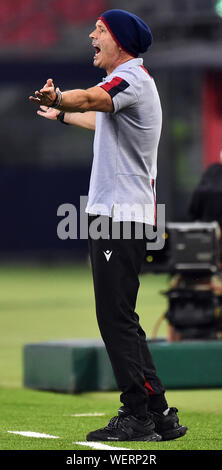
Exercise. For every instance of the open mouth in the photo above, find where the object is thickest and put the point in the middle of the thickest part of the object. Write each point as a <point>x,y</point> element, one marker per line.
<point>97,51</point>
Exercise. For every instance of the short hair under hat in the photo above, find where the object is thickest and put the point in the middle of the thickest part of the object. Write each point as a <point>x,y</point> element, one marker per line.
<point>128,30</point>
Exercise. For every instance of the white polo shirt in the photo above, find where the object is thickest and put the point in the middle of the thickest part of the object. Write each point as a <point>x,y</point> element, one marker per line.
<point>124,169</point>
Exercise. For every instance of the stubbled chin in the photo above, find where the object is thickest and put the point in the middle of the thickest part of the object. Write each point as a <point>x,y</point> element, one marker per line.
<point>97,61</point>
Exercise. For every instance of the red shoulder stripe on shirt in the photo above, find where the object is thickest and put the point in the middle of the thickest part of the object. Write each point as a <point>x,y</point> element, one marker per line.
<point>116,85</point>
<point>145,70</point>
<point>114,82</point>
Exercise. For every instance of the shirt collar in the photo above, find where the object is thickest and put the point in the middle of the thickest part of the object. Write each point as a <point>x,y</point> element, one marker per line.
<point>130,63</point>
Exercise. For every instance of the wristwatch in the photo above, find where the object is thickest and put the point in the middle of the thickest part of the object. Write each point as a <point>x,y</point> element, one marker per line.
<point>61,116</point>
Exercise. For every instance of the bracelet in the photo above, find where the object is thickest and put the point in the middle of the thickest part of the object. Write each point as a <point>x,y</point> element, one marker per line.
<point>60,118</point>
<point>58,99</point>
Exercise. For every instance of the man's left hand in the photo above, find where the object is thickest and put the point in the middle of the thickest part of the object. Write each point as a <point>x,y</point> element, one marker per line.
<point>46,96</point>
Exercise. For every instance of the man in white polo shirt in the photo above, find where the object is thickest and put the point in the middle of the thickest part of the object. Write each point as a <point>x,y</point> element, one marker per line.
<point>125,111</point>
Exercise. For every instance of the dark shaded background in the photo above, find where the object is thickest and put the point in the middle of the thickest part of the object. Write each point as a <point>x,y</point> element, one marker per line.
<point>44,164</point>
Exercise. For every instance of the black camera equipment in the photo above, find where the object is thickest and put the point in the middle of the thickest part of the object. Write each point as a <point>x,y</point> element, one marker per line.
<point>189,247</point>
<point>192,257</point>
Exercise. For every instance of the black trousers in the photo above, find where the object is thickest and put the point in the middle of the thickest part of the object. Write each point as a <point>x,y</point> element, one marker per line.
<point>116,264</point>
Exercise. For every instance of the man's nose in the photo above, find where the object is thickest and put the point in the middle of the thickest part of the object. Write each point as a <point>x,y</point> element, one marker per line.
<point>92,35</point>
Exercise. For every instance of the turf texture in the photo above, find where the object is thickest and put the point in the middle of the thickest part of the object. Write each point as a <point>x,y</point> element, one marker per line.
<point>54,414</point>
<point>47,303</point>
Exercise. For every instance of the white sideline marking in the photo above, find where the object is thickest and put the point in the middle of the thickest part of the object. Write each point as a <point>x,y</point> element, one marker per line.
<point>99,446</point>
<point>88,414</point>
<point>33,434</point>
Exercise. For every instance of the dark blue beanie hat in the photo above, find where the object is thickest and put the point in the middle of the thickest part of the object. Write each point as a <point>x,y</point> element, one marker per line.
<point>128,30</point>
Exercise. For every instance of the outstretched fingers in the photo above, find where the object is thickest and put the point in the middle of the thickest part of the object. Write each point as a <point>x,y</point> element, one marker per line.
<point>45,95</point>
<point>37,98</point>
<point>48,112</point>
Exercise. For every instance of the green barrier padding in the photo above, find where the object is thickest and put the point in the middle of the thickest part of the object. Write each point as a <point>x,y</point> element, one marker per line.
<point>64,366</point>
<point>189,364</point>
<point>75,366</point>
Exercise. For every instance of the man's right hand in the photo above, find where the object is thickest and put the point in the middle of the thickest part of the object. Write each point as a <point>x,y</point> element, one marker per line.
<point>86,120</point>
<point>48,113</point>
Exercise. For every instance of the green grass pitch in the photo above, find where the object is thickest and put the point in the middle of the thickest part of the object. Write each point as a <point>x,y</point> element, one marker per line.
<point>39,304</point>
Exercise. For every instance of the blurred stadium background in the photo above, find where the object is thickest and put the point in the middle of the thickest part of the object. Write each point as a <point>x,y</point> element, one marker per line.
<point>44,164</point>
<point>45,282</point>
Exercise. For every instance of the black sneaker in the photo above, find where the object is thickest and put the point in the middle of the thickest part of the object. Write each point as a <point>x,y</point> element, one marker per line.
<point>126,428</point>
<point>167,424</point>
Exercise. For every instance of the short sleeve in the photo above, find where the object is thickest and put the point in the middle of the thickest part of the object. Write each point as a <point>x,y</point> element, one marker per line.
<point>122,91</point>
